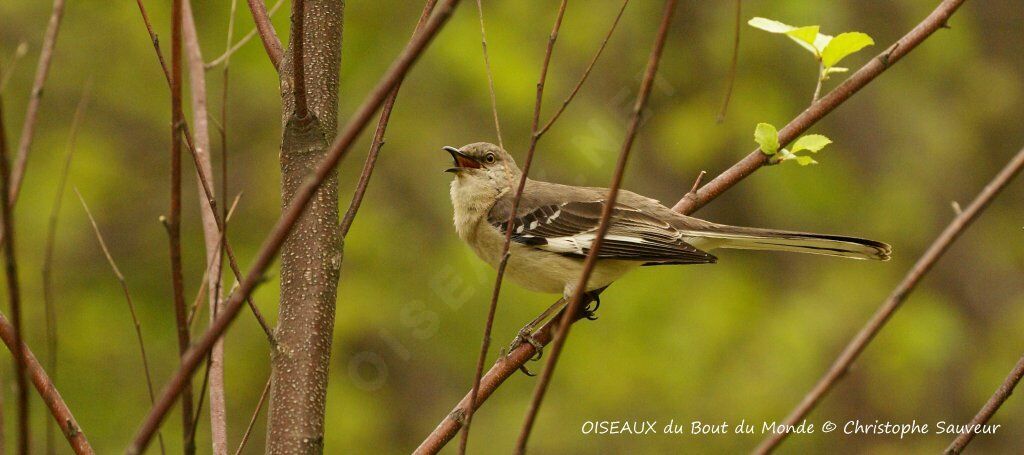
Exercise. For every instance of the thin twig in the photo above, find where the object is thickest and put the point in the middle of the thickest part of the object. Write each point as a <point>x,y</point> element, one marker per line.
<point>267,34</point>
<point>28,129</point>
<point>485,344</point>
<point>272,244</point>
<point>490,76</point>
<point>586,73</point>
<point>731,78</point>
<point>924,264</point>
<point>207,189</point>
<point>206,273</point>
<point>5,76</point>
<point>13,295</point>
<point>988,410</point>
<point>47,391</point>
<point>252,420</point>
<point>690,202</point>
<point>378,138</point>
<point>128,298</point>
<point>223,58</point>
<point>824,106</point>
<point>49,309</point>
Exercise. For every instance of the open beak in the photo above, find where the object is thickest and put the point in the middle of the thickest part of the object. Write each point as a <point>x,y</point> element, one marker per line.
<point>462,161</point>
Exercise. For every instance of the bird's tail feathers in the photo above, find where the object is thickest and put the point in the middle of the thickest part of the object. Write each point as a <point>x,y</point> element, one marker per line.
<point>800,242</point>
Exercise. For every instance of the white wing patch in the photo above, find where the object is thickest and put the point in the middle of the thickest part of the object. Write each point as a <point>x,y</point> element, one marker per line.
<point>581,244</point>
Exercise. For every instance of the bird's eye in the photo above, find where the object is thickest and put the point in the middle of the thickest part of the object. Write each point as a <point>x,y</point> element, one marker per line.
<point>489,158</point>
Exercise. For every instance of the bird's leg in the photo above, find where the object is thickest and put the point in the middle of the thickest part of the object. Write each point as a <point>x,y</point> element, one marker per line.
<point>526,333</point>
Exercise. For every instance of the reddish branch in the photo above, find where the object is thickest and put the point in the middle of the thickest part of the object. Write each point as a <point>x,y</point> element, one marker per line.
<point>13,294</point>
<point>897,297</point>
<point>47,391</point>
<point>267,34</point>
<point>232,48</point>
<point>731,77</point>
<point>989,409</point>
<point>586,73</point>
<point>493,307</point>
<point>207,189</point>
<point>32,113</point>
<point>867,73</point>
<point>173,223</point>
<point>490,75</point>
<point>576,300</point>
<point>268,251</point>
<point>693,200</point>
<point>378,138</point>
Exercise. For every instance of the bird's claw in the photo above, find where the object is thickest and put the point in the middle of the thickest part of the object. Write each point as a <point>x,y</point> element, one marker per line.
<point>589,311</point>
<point>524,336</point>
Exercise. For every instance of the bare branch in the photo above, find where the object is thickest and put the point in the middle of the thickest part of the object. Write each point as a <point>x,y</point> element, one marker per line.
<point>47,391</point>
<point>732,65</point>
<point>378,138</point>
<point>28,129</point>
<point>252,420</point>
<point>989,409</point>
<point>692,201</point>
<point>588,265</point>
<point>272,244</point>
<point>49,308</point>
<point>13,295</point>
<point>823,107</point>
<point>897,297</point>
<point>492,309</point>
<point>223,58</point>
<point>586,73</point>
<point>490,76</point>
<point>211,233</point>
<point>267,34</point>
<point>207,189</point>
<point>5,75</point>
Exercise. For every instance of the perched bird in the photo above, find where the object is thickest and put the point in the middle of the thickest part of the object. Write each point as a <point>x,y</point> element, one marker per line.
<point>555,226</point>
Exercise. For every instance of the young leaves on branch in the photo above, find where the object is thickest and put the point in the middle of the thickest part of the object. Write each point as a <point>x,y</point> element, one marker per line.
<point>767,137</point>
<point>827,50</point>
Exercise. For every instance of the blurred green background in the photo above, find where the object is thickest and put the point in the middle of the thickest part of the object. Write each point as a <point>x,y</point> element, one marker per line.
<point>743,339</point>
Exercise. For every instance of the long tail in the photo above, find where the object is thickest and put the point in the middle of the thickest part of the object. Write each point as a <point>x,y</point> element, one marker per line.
<point>744,238</point>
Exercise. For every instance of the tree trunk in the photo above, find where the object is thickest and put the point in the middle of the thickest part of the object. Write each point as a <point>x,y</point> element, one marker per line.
<point>311,256</point>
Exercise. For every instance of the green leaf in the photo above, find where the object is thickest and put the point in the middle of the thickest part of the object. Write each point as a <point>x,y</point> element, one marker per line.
<point>767,137</point>
<point>843,45</point>
<point>805,36</point>
<point>804,160</point>
<point>769,25</point>
<point>812,142</point>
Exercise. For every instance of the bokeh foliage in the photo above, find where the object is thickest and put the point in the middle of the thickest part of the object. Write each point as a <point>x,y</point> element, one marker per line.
<point>743,339</point>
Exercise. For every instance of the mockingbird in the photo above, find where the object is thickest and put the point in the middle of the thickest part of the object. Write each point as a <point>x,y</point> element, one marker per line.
<point>555,226</point>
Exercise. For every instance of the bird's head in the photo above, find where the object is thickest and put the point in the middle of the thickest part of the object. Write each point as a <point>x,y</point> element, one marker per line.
<point>483,163</point>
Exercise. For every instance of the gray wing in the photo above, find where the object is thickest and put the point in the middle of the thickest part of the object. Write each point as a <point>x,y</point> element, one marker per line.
<point>570,228</point>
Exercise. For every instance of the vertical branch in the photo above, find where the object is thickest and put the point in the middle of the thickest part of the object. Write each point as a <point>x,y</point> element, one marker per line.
<point>13,295</point>
<point>895,300</point>
<point>613,192</point>
<point>988,410</point>
<point>32,113</point>
<point>300,203</point>
<point>490,76</point>
<point>223,58</point>
<point>252,420</point>
<point>378,137</point>
<point>47,270</point>
<point>312,253</point>
<point>211,230</point>
<point>496,292</point>
<point>47,391</point>
<point>174,214</point>
<point>738,20</point>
